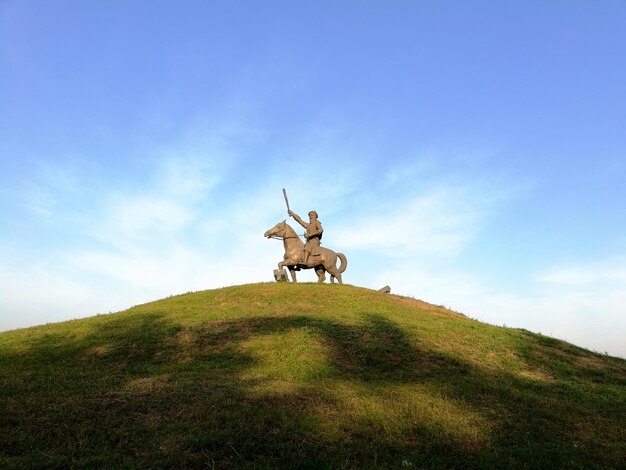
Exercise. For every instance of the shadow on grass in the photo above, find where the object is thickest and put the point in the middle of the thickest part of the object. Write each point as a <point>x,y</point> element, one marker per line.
<point>139,390</point>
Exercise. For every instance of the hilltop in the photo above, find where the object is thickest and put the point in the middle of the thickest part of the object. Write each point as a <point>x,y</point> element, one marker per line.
<point>308,376</point>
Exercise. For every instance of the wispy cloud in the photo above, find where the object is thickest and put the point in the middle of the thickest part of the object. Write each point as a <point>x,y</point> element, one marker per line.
<point>44,191</point>
<point>108,243</point>
<point>37,200</point>
<point>607,273</point>
<point>437,223</point>
<point>128,220</point>
<point>191,178</point>
<point>200,160</point>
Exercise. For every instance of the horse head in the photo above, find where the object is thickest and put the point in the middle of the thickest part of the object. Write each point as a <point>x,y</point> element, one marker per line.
<point>277,230</point>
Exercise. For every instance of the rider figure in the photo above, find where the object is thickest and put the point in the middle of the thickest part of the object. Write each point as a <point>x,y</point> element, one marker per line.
<point>313,235</point>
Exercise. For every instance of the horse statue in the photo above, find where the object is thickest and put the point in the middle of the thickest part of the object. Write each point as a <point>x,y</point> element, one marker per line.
<point>294,249</point>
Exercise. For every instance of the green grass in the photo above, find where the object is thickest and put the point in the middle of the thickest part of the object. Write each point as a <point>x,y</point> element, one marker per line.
<point>307,376</point>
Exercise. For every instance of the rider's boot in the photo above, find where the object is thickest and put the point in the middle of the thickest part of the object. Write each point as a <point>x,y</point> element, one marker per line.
<point>305,259</point>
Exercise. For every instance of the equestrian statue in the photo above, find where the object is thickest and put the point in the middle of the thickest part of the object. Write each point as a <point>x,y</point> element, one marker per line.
<point>309,255</point>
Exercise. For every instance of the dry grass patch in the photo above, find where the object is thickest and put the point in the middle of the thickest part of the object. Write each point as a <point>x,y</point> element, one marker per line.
<point>98,351</point>
<point>536,374</point>
<point>148,384</point>
<point>592,362</point>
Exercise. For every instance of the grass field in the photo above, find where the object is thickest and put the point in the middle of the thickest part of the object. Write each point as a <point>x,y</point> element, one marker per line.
<point>307,376</point>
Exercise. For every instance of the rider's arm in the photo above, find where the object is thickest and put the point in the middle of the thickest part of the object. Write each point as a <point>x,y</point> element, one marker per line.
<point>298,219</point>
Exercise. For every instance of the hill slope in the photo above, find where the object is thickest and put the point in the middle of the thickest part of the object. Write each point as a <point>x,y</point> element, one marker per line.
<point>303,376</point>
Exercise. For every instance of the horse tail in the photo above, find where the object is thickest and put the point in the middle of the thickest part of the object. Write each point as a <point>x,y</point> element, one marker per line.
<point>344,262</point>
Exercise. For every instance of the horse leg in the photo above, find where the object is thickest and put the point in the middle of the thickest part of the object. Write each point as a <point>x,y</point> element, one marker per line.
<point>334,273</point>
<point>321,277</point>
<point>292,271</point>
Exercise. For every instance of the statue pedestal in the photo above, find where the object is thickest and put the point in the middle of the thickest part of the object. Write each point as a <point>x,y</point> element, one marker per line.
<point>280,275</point>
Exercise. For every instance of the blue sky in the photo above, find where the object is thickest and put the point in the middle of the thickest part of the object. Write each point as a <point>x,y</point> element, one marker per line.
<point>470,154</point>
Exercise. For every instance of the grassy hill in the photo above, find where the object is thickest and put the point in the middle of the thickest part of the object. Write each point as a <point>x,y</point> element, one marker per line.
<point>307,376</point>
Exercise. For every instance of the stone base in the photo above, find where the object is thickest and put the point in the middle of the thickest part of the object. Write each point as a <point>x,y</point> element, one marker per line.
<point>280,275</point>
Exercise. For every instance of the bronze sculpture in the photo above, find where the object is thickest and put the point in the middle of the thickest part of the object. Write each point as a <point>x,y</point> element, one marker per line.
<point>311,255</point>
<point>325,261</point>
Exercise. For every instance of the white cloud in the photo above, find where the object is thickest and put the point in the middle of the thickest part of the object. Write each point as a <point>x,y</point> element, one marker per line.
<point>605,273</point>
<point>141,217</point>
<point>192,168</point>
<point>439,222</point>
<point>424,207</point>
<point>37,200</point>
<point>191,178</point>
<point>418,169</point>
<point>43,192</point>
<point>127,244</point>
